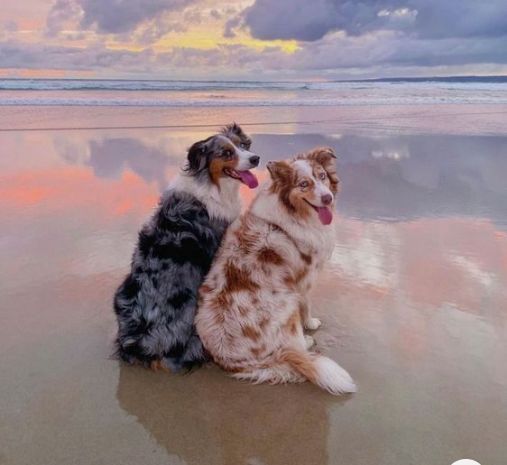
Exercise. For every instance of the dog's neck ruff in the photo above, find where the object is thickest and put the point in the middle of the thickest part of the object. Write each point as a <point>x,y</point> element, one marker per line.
<point>223,203</point>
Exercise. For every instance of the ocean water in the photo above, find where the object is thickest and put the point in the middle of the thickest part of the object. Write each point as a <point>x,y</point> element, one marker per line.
<point>157,93</point>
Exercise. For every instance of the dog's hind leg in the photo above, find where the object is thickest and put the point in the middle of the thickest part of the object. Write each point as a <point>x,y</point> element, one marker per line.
<point>306,317</point>
<point>132,327</point>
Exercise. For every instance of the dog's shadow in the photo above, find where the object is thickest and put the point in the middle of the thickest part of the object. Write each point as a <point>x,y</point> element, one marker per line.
<point>207,418</point>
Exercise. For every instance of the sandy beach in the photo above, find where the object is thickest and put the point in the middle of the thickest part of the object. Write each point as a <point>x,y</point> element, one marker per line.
<point>413,301</point>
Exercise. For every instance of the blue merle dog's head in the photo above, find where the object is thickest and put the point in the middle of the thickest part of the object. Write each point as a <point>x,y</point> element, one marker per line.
<point>224,155</point>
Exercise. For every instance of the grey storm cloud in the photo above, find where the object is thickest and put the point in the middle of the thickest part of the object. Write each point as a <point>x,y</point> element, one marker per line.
<point>389,49</point>
<point>311,20</point>
<point>111,16</point>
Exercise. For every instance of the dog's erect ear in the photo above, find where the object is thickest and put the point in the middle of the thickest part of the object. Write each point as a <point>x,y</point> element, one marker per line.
<point>280,171</point>
<point>197,156</point>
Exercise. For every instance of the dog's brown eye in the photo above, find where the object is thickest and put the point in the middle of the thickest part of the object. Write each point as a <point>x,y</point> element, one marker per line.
<point>304,184</point>
<point>227,153</point>
<point>322,175</point>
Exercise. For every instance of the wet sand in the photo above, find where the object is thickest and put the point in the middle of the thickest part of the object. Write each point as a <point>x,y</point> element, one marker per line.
<point>413,302</point>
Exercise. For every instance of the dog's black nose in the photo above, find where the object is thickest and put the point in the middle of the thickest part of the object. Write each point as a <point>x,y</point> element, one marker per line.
<point>326,199</point>
<point>254,160</point>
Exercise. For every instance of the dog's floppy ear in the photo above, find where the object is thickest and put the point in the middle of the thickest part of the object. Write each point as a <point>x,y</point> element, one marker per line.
<point>233,128</point>
<point>326,157</point>
<point>234,132</point>
<point>280,171</point>
<point>322,155</point>
<point>197,156</point>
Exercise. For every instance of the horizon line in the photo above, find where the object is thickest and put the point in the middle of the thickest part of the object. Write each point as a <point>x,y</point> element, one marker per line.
<point>378,79</point>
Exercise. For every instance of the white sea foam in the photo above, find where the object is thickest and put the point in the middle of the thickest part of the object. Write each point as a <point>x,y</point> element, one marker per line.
<point>140,85</point>
<point>79,92</point>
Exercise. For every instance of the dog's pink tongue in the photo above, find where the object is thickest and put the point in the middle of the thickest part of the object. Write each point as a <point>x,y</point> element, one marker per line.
<point>249,179</point>
<point>325,215</point>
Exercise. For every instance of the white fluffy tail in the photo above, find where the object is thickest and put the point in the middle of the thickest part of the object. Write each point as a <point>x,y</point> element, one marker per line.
<point>294,366</point>
<point>332,377</point>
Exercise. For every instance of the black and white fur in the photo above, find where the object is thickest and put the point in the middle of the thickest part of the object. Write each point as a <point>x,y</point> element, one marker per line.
<point>156,303</point>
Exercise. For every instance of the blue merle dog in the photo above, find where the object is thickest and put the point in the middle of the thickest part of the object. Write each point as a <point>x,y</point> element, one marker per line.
<point>156,304</point>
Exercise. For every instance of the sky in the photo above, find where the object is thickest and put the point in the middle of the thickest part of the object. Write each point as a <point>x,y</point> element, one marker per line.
<point>252,39</point>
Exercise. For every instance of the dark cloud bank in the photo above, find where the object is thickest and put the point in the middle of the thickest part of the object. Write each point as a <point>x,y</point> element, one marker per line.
<point>424,33</point>
<point>435,19</point>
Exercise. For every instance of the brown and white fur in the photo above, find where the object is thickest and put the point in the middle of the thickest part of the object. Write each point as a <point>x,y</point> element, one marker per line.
<point>254,301</point>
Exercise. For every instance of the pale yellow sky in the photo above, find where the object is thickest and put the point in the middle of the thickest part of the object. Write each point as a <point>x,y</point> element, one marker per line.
<point>200,26</point>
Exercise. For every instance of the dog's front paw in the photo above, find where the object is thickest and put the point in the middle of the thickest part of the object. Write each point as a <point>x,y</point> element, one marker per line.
<point>313,324</point>
<point>309,341</point>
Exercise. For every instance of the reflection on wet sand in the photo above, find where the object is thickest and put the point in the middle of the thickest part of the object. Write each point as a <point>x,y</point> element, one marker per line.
<point>434,262</point>
<point>206,417</point>
<point>386,177</point>
<point>402,177</point>
<point>414,306</point>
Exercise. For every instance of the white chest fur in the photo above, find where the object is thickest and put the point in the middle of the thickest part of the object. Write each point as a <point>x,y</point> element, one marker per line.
<point>221,203</point>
